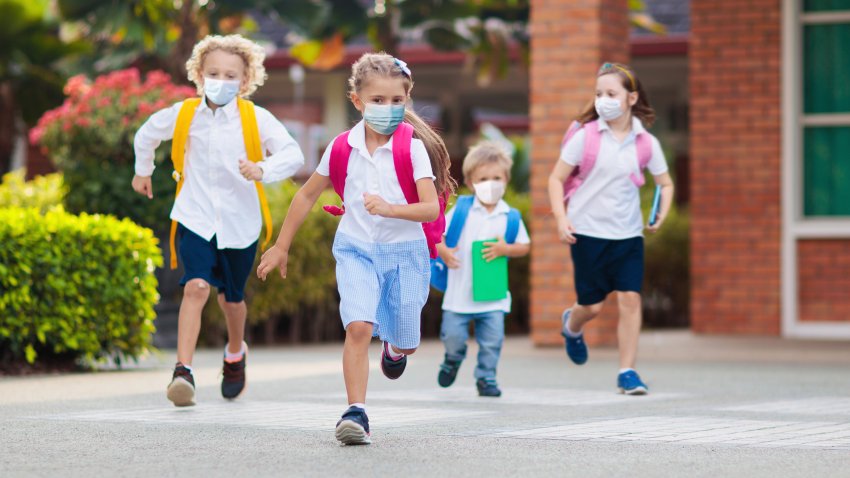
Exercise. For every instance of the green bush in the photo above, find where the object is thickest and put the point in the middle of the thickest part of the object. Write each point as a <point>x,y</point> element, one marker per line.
<point>77,287</point>
<point>43,192</point>
<point>307,300</point>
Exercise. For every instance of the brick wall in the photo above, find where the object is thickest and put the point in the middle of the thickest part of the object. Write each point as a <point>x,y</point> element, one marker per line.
<point>569,40</point>
<point>735,86</point>
<point>824,284</point>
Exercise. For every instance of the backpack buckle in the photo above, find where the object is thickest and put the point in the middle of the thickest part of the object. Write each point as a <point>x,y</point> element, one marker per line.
<point>176,176</point>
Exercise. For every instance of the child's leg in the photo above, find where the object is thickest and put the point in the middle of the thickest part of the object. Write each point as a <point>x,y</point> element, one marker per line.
<point>454,332</point>
<point>355,360</point>
<point>195,294</point>
<point>490,334</point>
<point>581,315</point>
<point>628,328</point>
<point>235,314</point>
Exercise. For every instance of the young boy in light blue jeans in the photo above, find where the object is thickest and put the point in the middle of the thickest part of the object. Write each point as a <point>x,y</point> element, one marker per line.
<point>486,170</point>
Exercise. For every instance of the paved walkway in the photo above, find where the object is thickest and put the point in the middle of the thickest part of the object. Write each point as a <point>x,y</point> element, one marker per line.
<point>718,407</point>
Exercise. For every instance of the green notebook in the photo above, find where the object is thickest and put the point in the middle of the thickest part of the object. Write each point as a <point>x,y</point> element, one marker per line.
<point>489,279</point>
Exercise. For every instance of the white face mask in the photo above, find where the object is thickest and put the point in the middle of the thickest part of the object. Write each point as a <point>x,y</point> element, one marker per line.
<point>608,108</point>
<point>489,192</point>
<point>221,92</point>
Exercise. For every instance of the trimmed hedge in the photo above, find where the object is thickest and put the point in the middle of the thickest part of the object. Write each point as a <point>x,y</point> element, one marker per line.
<point>43,192</point>
<point>75,287</point>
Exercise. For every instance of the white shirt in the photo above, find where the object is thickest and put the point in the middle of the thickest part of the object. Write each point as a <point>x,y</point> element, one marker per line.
<point>216,200</point>
<point>479,225</point>
<point>375,174</point>
<point>607,204</point>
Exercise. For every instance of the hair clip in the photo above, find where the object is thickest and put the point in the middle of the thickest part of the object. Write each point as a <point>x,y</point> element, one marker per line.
<point>403,66</point>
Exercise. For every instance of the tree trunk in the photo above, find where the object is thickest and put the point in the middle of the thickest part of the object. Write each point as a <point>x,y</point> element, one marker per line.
<point>189,31</point>
<point>8,126</point>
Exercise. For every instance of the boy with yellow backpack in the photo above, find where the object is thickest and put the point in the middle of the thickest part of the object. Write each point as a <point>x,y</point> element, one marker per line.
<point>219,147</point>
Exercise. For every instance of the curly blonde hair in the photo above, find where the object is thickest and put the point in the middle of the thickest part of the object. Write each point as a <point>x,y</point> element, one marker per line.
<point>252,55</point>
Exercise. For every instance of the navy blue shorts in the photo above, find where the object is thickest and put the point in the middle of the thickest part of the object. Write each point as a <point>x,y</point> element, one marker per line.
<point>225,269</point>
<point>602,266</point>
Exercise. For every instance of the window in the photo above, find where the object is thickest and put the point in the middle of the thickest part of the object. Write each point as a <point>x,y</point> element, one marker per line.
<point>826,107</point>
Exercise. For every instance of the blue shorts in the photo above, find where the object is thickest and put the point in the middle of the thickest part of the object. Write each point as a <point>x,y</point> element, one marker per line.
<point>225,269</point>
<point>602,266</point>
<point>385,284</point>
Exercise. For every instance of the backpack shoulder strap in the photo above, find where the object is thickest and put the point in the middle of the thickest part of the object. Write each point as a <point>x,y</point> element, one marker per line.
<point>462,207</point>
<point>403,161</point>
<point>254,151</point>
<point>512,230</point>
<point>338,165</point>
<point>592,142</point>
<point>643,145</point>
<point>181,135</point>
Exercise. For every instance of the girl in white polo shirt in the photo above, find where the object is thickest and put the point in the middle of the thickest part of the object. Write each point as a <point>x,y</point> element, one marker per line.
<point>603,222</point>
<point>381,246</point>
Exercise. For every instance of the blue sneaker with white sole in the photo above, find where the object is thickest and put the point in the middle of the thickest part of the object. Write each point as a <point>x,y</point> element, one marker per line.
<point>629,383</point>
<point>353,427</point>
<point>576,348</point>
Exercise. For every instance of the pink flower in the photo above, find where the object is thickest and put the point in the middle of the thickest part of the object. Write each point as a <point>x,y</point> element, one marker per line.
<point>77,86</point>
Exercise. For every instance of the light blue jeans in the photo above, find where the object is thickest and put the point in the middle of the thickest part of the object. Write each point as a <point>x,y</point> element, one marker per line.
<point>489,333</point>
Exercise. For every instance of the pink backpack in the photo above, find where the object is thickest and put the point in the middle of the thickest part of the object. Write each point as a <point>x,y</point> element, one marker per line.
<point>592,141</point>
<point>340,154</point>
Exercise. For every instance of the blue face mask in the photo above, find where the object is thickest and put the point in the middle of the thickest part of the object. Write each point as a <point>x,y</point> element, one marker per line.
<point>221,92</point>
<point>383,119</point>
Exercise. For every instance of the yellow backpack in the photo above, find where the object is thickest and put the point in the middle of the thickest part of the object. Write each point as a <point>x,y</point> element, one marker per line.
<point>253,147</point>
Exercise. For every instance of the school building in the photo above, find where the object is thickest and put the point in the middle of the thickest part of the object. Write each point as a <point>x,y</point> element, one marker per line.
<point>769,147</point>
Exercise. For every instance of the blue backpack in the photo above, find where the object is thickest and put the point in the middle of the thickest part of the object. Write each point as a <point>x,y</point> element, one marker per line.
<point>439,270</point>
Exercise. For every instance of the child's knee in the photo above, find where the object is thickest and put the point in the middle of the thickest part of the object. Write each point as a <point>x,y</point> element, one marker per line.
<point>629,301</point>
<point>359,331</point>
<point>196,290</point>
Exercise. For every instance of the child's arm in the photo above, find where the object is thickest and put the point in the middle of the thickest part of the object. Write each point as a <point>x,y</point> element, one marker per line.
<point>158,128</point>
<point>285,157</point>
<point>448,255</point>
<point>426,210</point>
<point>557,178</point>
<point>520,247</point>
<point>278,255</point>
<point>667,191</point>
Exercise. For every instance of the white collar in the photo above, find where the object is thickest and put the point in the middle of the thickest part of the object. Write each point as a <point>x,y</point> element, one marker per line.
<point>357,139</point>
<point>231,110</point>
<point>501,206</point>
<point>637,125</point>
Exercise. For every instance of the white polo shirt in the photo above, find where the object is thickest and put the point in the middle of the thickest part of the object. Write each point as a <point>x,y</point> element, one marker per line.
<point>216,200</point>
<point>479,225</point>
<point>607,204</point>
<point>375,174</point>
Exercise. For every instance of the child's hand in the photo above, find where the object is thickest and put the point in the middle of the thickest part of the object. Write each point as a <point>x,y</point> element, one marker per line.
<point>655,227</point>
<point>273,258</point>
<point>449,256</point>
<point>376,205</point>
<point>493,250</point>
<point>566,231</point>
<point>250,170</point>
<point>142,185</point>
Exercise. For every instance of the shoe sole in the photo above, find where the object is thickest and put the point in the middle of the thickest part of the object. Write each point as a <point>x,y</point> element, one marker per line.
<point>181,393</point>
<point>635,391</point>
<point>350,433</point>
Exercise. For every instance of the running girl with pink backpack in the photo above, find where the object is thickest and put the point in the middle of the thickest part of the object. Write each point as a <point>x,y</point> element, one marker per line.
<point>391,171</point>
<point>594,193</point>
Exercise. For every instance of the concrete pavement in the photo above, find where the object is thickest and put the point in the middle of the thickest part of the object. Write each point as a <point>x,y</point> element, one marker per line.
<point>718,407</point>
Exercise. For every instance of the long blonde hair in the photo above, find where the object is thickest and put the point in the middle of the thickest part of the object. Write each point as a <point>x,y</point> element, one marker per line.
<point>384,65</point>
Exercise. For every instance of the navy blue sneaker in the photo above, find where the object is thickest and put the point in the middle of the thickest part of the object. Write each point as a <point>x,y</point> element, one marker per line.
<point>392,368</point>
<point>448,372</point>
<point>576,348</point>
<point>353,427</point>
<point>629,382</point>
<point>487,388</point>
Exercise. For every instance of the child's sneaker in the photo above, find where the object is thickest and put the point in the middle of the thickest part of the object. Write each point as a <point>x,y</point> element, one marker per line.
<point>487,388</point>
<point>181,390</point>
<point>353,427</point>
<point>392,368</point>
<point>576,348</point>
<point>233,377</point>
<point>448,372</point>
<point>629,382</point>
